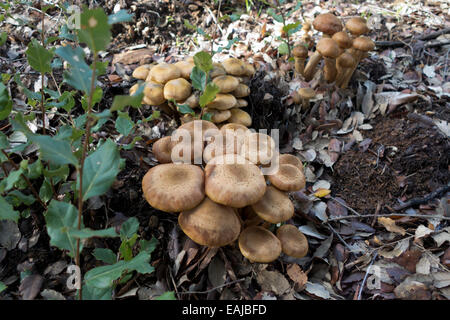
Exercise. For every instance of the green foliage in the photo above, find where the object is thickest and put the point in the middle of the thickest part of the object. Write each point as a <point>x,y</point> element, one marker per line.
<point>2,286</point>
<point>38,57</point>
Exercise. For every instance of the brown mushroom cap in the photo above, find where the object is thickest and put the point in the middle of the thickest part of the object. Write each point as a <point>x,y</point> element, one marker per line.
<point>218,116</point>
<point>162,151</point>
<point>228,143</point>
<point>235,128</point>
<point>249,69</point>
<point>345,60</point>
<point>162,73</point>
<point>300,51</point>
<point>223,101</point>
<point>363,44</point>
<point>141,72</point>
<point>233,181</point>
<point>327,23</point>
<point>242,90</point>
<point>306,93</point>
<point>287,158</point>
<point>259,245</point>
<point>357,26</point>
<point>288,178</point>
<point>275,206</point>
<point>185,68</point>
<point>217,70</point>
<point>193,101</point>
<point>240,117</point>
<point>210,224</point>
<point>226,83</point>
<point>258,148</point>
<point>342,39</point>
<point>177,89</point>
<point>154,93</point>
<point>134,88</point>
<point>234,66</point>
<point>327,47</point>
<point>174,187</point>
<point>293,241</point>
<point>241,103</point>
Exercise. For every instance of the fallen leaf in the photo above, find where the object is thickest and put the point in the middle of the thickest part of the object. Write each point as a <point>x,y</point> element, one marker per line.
<point>320,193</point>
<point>390,225</point>
<point>31,286</point>
<point>412,290</point>
<point>297,275</point>
<point>317,290</point>
<point>421,232</point>
<point>272,281</point>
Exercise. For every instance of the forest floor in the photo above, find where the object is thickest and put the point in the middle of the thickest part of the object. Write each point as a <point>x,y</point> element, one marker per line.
<point>381,147</point>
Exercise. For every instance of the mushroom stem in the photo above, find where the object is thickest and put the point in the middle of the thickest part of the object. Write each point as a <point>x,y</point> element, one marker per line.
<point>311,66</point>
<point>305,104</point>
<point>345,79</point>
<point>300,65</point>
<point>329,69</point>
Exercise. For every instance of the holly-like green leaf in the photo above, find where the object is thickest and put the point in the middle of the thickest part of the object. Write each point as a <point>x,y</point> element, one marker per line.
<point>203,61</point>
<point>12,178</point>
<point>209,95</point>
<point>95,29</point>
<point>100,170</point>
<point>92,293</point>
<point>105,255</point>
<point>129,228</point>
<point>122,101</point>
<point>38,57</point>
<point>104,276</point>
<point>198,78</point>
<point>79,76</point>
<point>185,109</point>
<point>124,125</point>
<point>207,116</point>
<point>148,245</point>
<point>18,198</point>
<point>7,211</point>
<point>56,151</point>
<point>283,48</point>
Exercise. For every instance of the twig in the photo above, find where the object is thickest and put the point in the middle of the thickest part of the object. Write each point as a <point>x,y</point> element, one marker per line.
<point>417,201</point>
<point>215,288</point>
<point>366,275</point>
<point>340,237</point>
<point>344,205</point>
<point>424,216</point>
<point>430,36</point>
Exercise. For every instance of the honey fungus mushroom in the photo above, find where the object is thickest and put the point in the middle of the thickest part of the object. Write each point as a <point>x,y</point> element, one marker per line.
<point>178,89</point>
<point>162,73</point>
<point>275,206</point>
<point>258,244</point>
<point>288,178</point>
<point>293,241</point>
<point>174,187</point>
<point>162,150</point>
<point>210,224</point>
<point>233,181</point>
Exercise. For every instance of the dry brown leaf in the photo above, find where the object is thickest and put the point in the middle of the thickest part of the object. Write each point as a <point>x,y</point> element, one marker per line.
<point>298,276</point>
<point>390,225</point>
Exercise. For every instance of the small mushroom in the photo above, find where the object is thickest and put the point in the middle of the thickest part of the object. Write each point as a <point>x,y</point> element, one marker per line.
<point>361,46</point>
<point>343,64</point>
<point>293,241</point>
<point>241,91</point>
<point>343,41</point>
<point>357,26</point>
<point>226,83</point>
<point>300,53</point>
<point>240,117</point>
<point>258,244</point>
<point>217,70</point>
<point>141,72</point>
<point>233,181</point>
<point>178,89</point>
<point>218,116</point>
<point>241,103</point>
<point>287,158</point>
<point>275,206</point>
<point>185,68</point>
<point>210,224</point>
<point>162,73</point>
<point>306,94</point>
<point>223,101</point>
<point>258,148</point>
<point>288,178</point>
<point>329,50</point>
<point>174,187</point>
<point>153,93</point>
<point>162,151</point>
<point>234,67</point>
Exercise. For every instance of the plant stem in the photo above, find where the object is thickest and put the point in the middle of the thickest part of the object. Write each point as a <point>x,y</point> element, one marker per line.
<point>42,75</point>
<point>83,157</point>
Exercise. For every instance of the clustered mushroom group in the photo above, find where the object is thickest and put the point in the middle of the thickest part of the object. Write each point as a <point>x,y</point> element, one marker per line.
<point>164,82</point>
<point>341,50</point>
<point>226,195</point>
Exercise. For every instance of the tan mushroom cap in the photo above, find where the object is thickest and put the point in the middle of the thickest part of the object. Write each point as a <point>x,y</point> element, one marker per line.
<point>174,187</point>
<point>345,60</point>
<point>234,66</point>
<point>258,148</point>
<point>229,143</point>
<point>218,116</point>
<point>134,88</point>
<point>293,241</point>
<point>235,128</point>
<point>223,101</point>
<point>287,158</point>
<point>300,51</point>
<point>357,26</point>
<point>241,91</point>
<point>240,117</point>
<point>217,70</point>
<point>259,245</point>
<point>342,39</point>
<point>327,47</point>
<point>210,224</point>
<point>327,23</point>
<point>141,72</point>
<point>241,103</point>
<point>306,93</point>
<point>233,181</point>
<point>178,89</point>
<point>185,68</point>
<point>193,101</point>
<point>249,70</point>
<point>226,83</point>
<point>288,178</point>
<point>162,73</point>
<point>162,151</point>
<point>363,44</point>
<point>154,93</point>
<point>275,206</point>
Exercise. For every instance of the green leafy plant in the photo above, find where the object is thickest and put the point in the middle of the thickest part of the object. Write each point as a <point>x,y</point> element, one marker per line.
<point>44,184</point>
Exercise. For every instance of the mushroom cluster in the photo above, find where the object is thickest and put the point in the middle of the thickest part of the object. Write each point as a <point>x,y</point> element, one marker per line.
<point>227,194</point>
<point>164,82</point>
<point>341,50</point>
